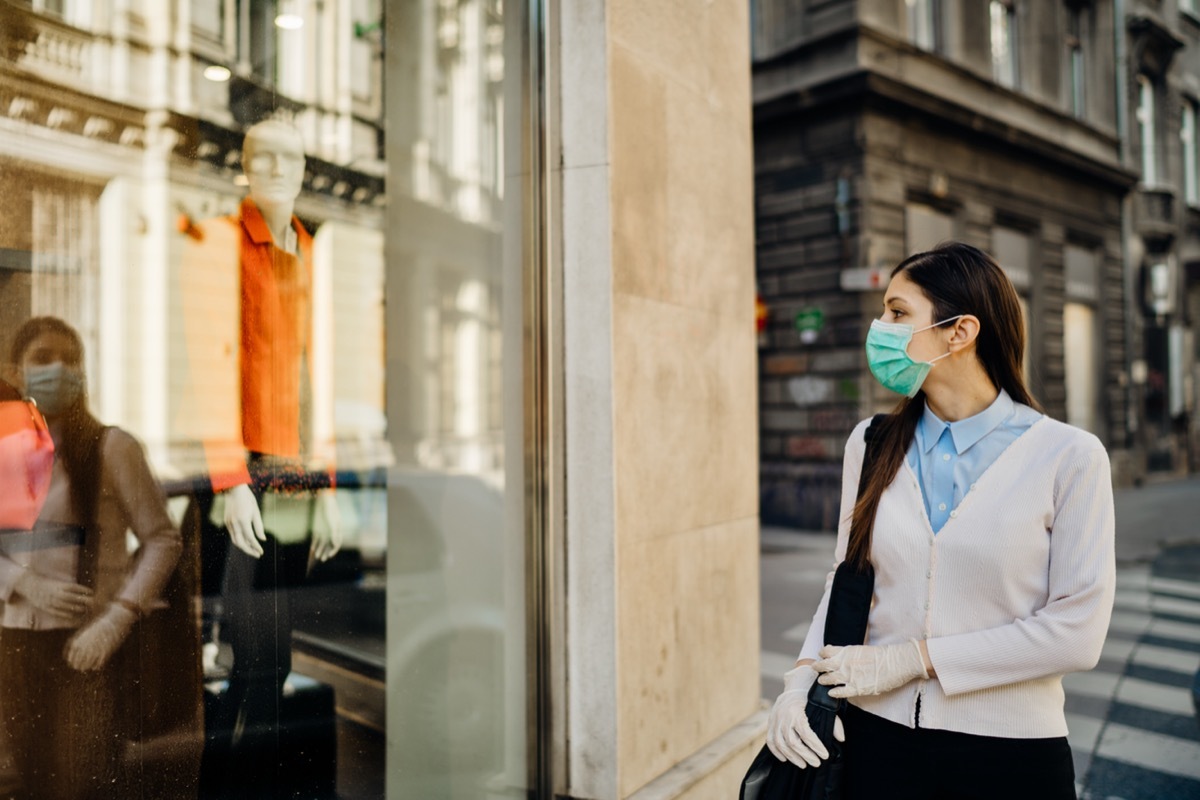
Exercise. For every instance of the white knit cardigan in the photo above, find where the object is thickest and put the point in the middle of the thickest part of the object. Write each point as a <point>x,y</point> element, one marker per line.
<point>1014,591</point>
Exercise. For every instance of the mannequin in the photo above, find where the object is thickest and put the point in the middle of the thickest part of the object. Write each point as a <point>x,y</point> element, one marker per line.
<point>252,390</point>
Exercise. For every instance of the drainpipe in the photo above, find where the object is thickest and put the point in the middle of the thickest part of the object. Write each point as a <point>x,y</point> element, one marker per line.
<point>1132,416</point>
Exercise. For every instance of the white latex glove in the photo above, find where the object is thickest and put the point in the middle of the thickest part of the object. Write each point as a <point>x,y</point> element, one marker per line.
<point>327,527</point>
<point>869,669</point>
<point>243,520</point>
<point>94,644</point>
<point>61,598</point>
<point>789,736</point>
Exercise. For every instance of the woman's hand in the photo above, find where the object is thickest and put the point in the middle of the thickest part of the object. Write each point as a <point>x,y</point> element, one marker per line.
<point>61,598</point>
<point>869,669</point>
<point>95,643</point>
<point>789,736</point>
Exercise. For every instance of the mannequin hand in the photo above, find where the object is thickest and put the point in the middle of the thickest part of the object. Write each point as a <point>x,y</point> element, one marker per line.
<point>243,520</point>
<point>868,669</point>
<point>61,598</point>
<point>789,736</point>
<point>95,643</point>
<point>327,529</point>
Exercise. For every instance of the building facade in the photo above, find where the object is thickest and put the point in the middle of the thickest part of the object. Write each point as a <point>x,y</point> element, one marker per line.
<point>532,234</point>
<point>1161,54</point>
<point>882,128</point>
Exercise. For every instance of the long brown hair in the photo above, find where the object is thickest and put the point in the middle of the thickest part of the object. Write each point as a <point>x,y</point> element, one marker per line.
<point>958,279</point>
<point>79,448</point>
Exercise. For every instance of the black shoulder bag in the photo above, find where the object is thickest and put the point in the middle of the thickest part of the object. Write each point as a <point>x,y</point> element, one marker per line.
<point>845,624</point>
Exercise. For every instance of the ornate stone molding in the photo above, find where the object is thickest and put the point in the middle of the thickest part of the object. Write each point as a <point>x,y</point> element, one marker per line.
<point>220,149</point>
<point>34,101</point>
<point>1154,45</point>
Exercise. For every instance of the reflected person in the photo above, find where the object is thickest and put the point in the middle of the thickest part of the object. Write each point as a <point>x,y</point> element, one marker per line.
<point>72,591</point>
<point>247,286</point>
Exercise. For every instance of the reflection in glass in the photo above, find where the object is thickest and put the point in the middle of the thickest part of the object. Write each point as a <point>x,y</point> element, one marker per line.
<point>327,381</point>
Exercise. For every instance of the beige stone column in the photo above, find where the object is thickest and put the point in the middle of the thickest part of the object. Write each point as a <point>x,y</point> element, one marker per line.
<point>661,639</point>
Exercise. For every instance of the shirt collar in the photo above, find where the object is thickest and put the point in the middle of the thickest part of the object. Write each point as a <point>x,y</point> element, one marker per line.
<point>966,432</point>
<point>256,226</point>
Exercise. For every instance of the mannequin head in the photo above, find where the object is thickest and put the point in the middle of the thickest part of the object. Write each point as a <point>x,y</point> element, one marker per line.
<point>273,160</point>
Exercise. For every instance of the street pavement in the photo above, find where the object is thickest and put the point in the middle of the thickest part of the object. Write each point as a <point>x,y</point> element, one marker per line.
<point>1134,731</point>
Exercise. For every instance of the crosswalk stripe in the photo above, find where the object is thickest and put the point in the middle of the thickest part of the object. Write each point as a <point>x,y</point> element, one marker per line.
<point>1091,684</point>
<point>1148,750</point>
<point>1173,605</point>
<point>1134,622</point>
<point>1170,699</point>
<point>796,633</point>
<point>1175,630</point>
<point>1133,578</point>
<point>1083,732</point>
<point>1173,586</point>
<point>1117,649</point>
<point>1166,658</point>
<point>774,665</point>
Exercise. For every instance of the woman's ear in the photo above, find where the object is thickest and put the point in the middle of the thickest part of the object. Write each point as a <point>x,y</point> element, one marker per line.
<point>964,332</point>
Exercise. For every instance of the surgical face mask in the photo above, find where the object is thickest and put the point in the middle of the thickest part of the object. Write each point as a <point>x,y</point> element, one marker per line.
<point>54,387</point>
<point>887,356</point>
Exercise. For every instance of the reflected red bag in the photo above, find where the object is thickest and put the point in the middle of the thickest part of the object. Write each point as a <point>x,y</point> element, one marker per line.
<point>26,459</point>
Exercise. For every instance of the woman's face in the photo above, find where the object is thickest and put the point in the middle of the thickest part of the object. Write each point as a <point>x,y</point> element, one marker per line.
<point>51,348</point>
<point>51,373</point>
<point>905,303</point>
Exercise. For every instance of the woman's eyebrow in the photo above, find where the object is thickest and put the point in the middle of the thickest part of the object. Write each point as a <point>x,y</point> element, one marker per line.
<point>889,301</point>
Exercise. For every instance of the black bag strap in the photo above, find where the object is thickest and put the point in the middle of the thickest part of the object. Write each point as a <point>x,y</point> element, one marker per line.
<point>852,590</point>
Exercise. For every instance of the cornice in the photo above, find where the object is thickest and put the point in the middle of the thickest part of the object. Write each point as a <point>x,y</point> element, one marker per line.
<point>218,148</point>
<point>861,86</point>
<point>35,101</point>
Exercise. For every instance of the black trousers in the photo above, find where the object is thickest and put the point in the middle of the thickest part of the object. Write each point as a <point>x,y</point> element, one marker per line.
<point>258,626</point>
<point>59,724</point>
<point>887,760</point>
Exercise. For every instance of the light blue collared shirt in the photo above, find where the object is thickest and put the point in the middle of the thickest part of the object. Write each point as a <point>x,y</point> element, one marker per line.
<point>949,457</point>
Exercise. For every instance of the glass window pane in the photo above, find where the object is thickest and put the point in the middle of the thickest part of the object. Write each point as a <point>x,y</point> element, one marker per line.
<point>1079,344</point>
<point>283,362</point>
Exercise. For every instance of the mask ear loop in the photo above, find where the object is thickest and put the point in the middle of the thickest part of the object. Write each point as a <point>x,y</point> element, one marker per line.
<point>934,325</point>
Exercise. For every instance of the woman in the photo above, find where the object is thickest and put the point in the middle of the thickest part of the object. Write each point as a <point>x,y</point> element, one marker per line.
<point>72,591</point>
<point>992,544</point>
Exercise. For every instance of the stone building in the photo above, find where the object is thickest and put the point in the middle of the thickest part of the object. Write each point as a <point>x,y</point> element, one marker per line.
<point>1162,98</point>
<point>885,126</point>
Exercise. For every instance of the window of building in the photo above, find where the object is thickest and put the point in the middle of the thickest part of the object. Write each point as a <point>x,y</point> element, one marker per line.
<point>57,7</point>
<point>258,44</point>
<point>1076,64</point>
<point>1146,130</point>
<point>1004,42</point>
<point>1080,352</point>
<point>923,23</point>
<point>925,227</point>
<point>1187,132</point>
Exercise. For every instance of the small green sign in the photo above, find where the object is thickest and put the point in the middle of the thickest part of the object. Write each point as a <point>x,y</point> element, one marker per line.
<point>810,319</point>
